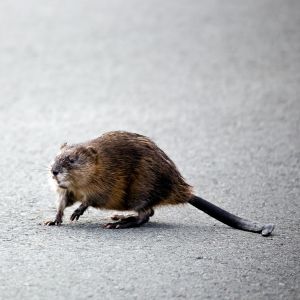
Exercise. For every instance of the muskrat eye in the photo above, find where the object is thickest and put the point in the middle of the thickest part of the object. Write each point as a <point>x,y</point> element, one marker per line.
<point>71,160</point>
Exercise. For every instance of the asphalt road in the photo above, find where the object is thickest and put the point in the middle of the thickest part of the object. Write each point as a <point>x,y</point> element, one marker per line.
<point>214,83</point>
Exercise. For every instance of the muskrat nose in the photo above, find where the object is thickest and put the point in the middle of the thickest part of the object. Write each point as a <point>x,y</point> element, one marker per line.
<point>54,172</point>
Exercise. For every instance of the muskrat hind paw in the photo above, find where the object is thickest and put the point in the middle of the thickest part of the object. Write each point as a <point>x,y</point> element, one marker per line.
<point>121,217</point>
<point>128,222</point>
<point>110,226</point>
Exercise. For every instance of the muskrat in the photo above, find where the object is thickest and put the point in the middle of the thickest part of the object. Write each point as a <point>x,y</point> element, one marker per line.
<point>127,171</point>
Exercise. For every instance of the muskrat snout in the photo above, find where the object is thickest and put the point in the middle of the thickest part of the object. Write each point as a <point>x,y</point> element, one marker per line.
<point>56,169</point>
<point>55,172</point>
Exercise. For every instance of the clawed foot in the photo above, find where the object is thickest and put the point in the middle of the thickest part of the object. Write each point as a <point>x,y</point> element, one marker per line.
<point>120,217</point>
<point>52,223</point>
<point>130,221</point>
<point>75,215</point>
<point>126,222</point>
<point>78,212</point>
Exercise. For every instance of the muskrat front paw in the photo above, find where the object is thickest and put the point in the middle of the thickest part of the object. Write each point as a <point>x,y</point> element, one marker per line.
<point>75,215</point>
<point>52,223</point>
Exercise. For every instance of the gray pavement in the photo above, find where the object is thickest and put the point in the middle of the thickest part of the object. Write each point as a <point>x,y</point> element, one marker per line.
<point>214,83</point>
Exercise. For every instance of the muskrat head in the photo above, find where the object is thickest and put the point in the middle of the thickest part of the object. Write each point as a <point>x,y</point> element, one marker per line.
<point>74,166</point>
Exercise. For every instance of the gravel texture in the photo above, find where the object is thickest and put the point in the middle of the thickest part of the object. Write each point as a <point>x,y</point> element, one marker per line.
<point>214,83</point>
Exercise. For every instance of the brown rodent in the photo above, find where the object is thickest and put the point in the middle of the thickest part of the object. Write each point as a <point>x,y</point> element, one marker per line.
<point>127,171</point>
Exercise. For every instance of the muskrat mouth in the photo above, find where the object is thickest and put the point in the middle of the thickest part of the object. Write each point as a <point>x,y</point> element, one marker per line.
<point>62,186</point>
<point>59,183</point>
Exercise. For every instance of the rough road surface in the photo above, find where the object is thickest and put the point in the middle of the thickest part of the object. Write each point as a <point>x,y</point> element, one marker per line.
<point>214,83</point>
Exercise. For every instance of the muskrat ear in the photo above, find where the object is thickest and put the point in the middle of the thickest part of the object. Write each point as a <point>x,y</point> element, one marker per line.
<point>64,145</point>
<point>91,150</point>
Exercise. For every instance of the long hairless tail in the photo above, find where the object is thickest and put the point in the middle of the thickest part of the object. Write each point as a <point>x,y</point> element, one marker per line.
<point>230,219</point>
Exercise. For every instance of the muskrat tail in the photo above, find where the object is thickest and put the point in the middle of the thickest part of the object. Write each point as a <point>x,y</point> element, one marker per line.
<point>230,219</point>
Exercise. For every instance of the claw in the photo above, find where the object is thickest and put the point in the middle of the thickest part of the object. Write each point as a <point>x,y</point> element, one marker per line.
<point>121,217</point>
<point>52,223</point>
<point>49,223</point>
<point>74,216</point>
<point>107,226</point>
